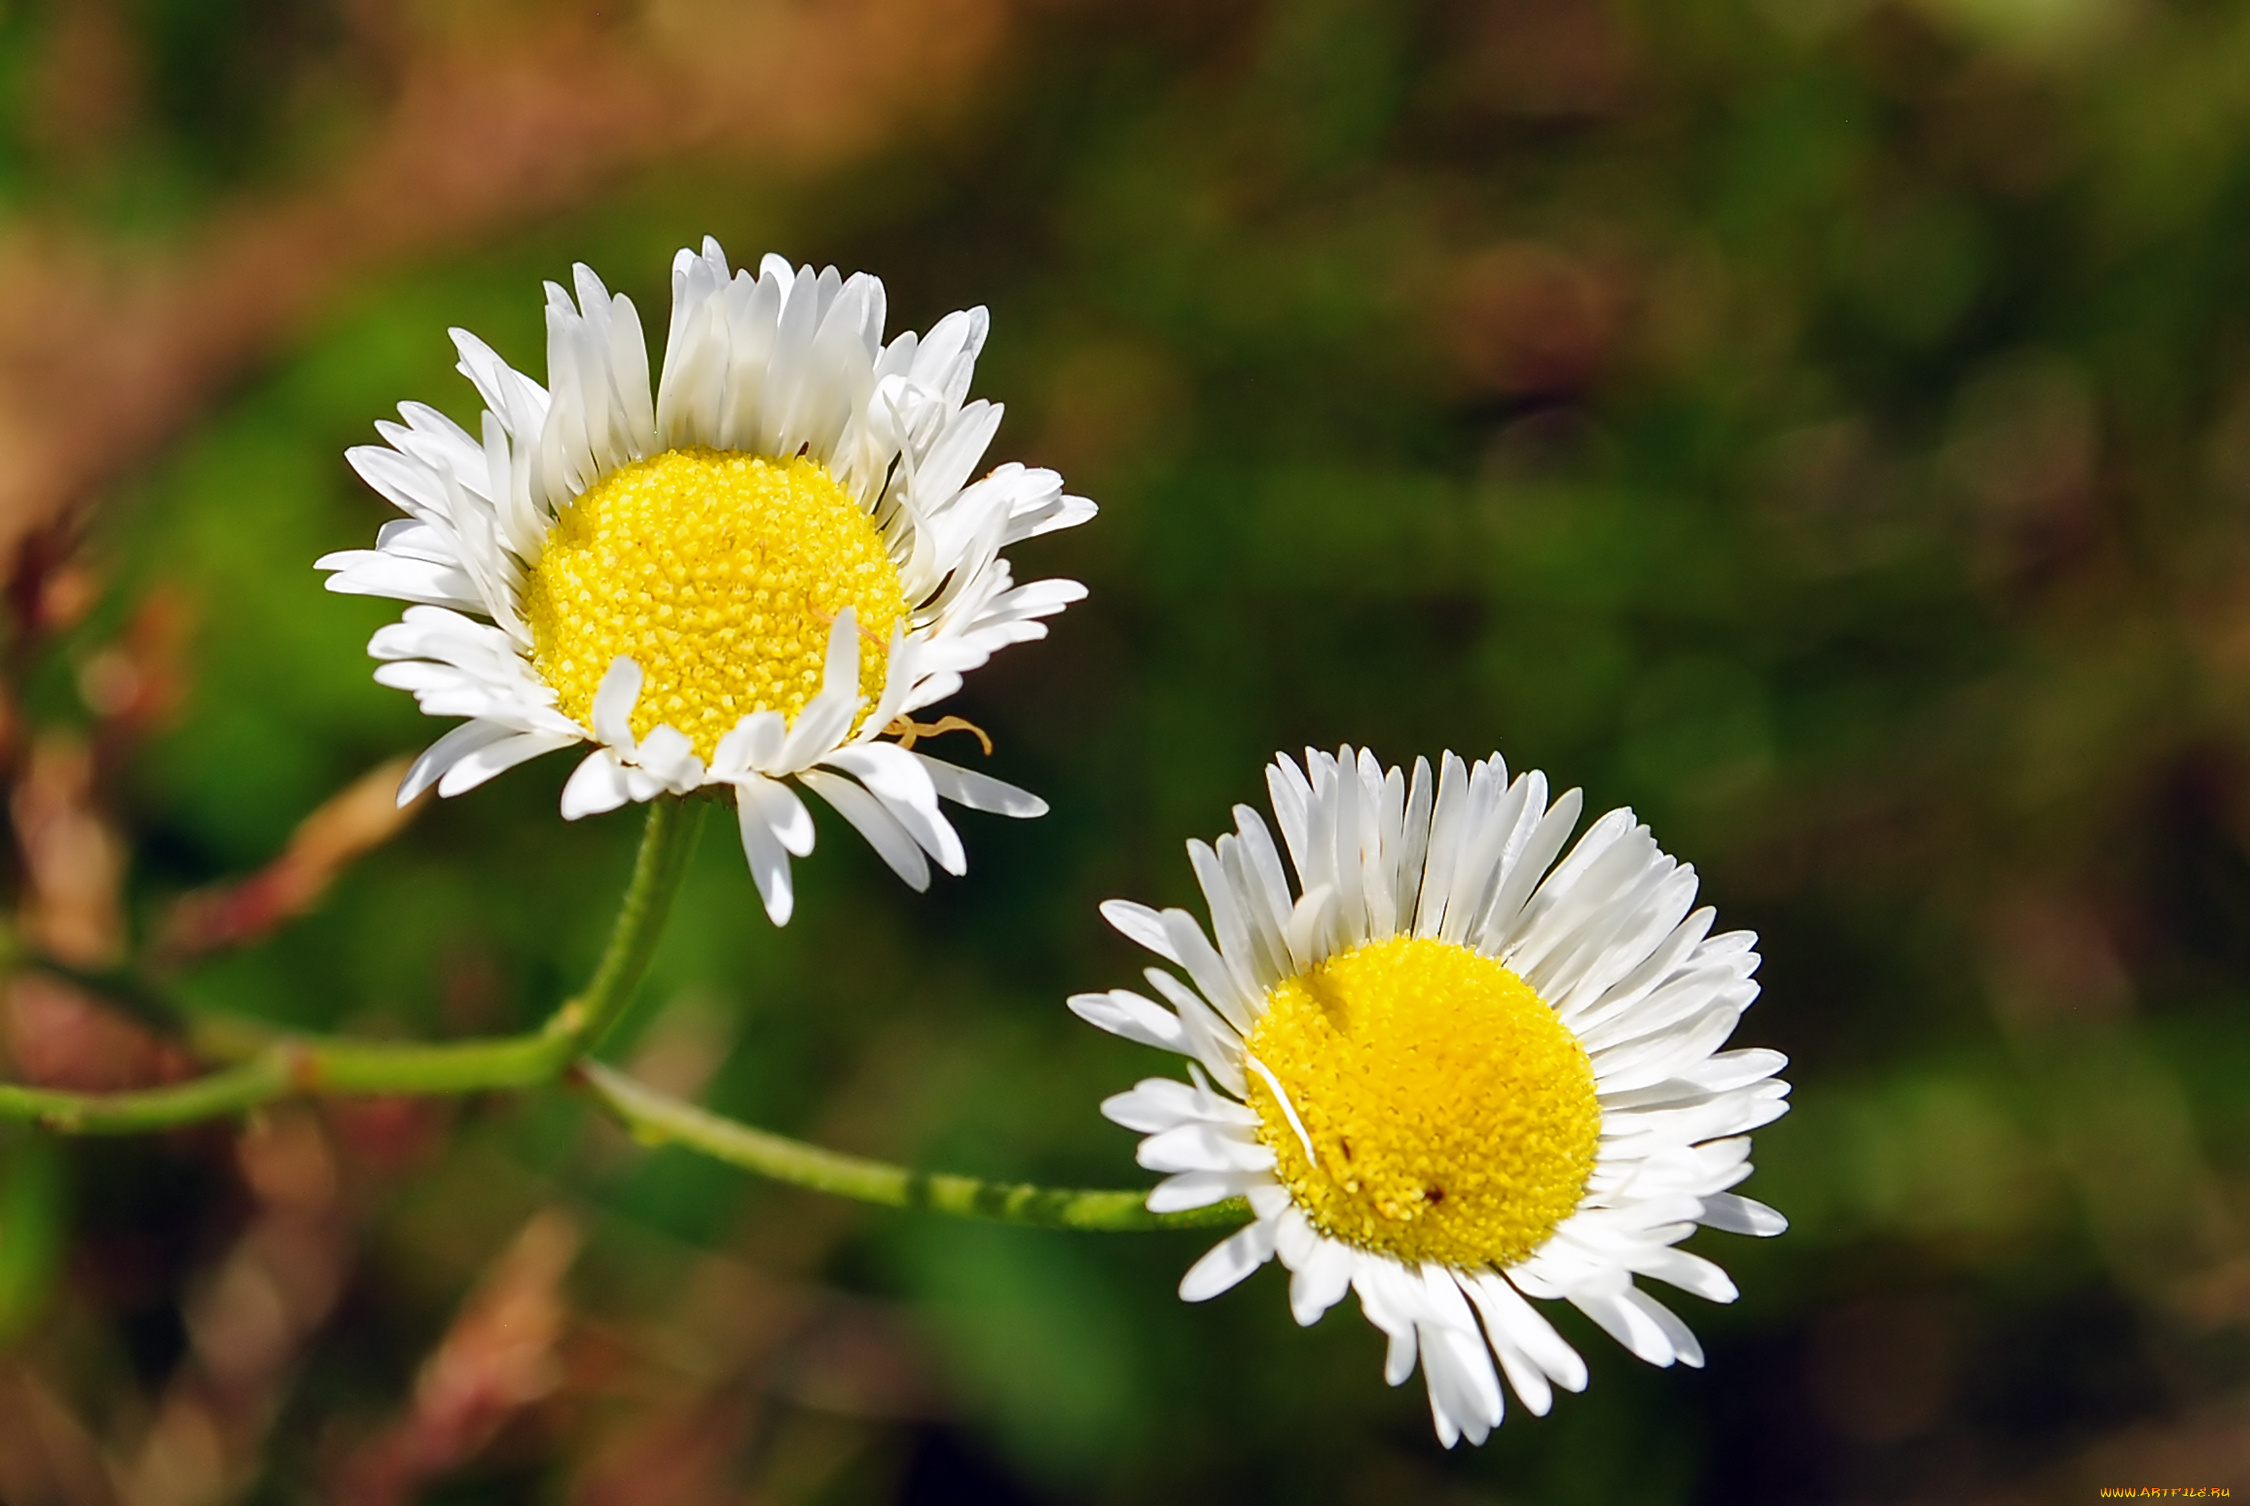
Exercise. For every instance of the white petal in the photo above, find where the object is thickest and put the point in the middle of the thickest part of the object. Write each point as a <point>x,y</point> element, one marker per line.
<point>667,756</point>
<point>496,758</point>
<point>614,700</point>
<point>754,743</point>
<point>1138,923</point>
<point>1629,1322</point>
<point>407,484</point>
<point>1310,921</point>
<point>1391,1296</point>
<point>1742,1215</point>
<point>1676,1333</point>
<point>1160,1103</point>
<point>1530,844</point>
<point>1218,983</point>
<point>1687,1271</point>
<point>597,785</point>
<point>1505,1312</point>
<point>1200,1189</point>
<point>1125,1013</point>
<point>1230,919</point>
<point>1525,1373</point>
<point>881,829</point>
<point>1465,1394</point>
<point>895,776</point>
<point>445,753</point>
<point>1204,1147</point>
<point>782,811</point>
<point>769,861</point>
<point>1737,1069</point>
<point>1320,1280</point>
<point>1212,1040</point>
<point>819,728</point>
<point>365,572</point>
<point>981,792</point>
<point>1228,1262</point>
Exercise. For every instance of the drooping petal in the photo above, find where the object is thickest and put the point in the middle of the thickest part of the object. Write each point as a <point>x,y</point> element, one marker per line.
<point>881,829</point>
<point>781,810</point>
<point>479,764</point>
<point>597,785</point>
<point>1228,1262</point>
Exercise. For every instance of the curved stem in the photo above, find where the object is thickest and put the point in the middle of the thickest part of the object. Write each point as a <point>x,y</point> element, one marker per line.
<point>209,1097</point>
<point>667,841</point>
<point>272,1067</point>
<point>658,1118</point>
<point>296,1066</point>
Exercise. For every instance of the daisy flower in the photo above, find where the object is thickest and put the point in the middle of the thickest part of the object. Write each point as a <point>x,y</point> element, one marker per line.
<point>751,579</point>
<point>1449,1073</point>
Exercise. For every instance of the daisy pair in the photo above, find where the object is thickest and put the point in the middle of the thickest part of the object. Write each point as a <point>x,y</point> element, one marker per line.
<point>748,578</point>
<point>1445,1071</point>
<point>1450,1074</point>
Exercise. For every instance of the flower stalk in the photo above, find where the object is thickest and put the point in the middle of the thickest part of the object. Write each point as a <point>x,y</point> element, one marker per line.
<point>268,1068</point>
<point>659,1119</point>
<point>667,842</point>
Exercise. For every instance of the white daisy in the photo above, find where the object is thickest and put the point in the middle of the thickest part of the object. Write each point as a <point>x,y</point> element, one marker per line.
<point>1448,1078</point>
<point>747,581</point>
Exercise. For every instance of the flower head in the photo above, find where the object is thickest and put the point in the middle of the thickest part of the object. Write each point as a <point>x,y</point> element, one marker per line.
<point>1449,1073</point>
<point>751,578</point>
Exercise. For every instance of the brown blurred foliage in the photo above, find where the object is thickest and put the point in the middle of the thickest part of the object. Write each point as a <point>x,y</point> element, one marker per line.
<point>360,817</point>
<point>483,115</point>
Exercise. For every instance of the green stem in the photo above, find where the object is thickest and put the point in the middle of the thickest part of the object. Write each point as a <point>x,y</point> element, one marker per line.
<point>666,844</point>
<point>232,1091</point>
<point>295,1066</point>
<point>658,1118</point>
<point>272,1067</point>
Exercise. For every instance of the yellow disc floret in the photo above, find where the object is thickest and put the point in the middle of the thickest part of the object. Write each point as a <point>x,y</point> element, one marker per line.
<point>1452,1116</point>
<point>721,575</point>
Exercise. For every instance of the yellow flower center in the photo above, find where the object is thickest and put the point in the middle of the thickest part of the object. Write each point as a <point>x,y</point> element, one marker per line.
<point>1452,1116</point>
<point>721,574</point>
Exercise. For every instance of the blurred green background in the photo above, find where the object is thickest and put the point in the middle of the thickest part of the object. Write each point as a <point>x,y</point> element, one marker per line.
<point>1823,425</point>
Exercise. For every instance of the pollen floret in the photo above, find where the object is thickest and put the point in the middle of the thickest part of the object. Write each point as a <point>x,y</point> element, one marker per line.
<point>1449,1073</point>
<point>746,577</point>
<point>721,575</point>
<point>1448,1114</point>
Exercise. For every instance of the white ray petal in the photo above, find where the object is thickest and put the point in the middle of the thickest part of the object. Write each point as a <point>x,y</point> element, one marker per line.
<point>614,699</point>
<point>598,784</point>
<point>1125,1013</point>
<point>768,859</point>
<point>1228,1262</point>
<point>784,814</point>
<point>872,820</point>
<point>1320,1280</point>
<point>1742,1215</point>
<point>1138,923</point>
<point>1200,1189</point>
<point>980,792</point>
<point>445,753</point>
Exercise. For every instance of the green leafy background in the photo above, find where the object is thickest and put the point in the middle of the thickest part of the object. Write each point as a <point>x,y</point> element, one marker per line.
<point>1822,426</point>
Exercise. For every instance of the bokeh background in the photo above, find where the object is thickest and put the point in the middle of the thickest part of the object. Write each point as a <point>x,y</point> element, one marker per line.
<point>1823,425</point>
